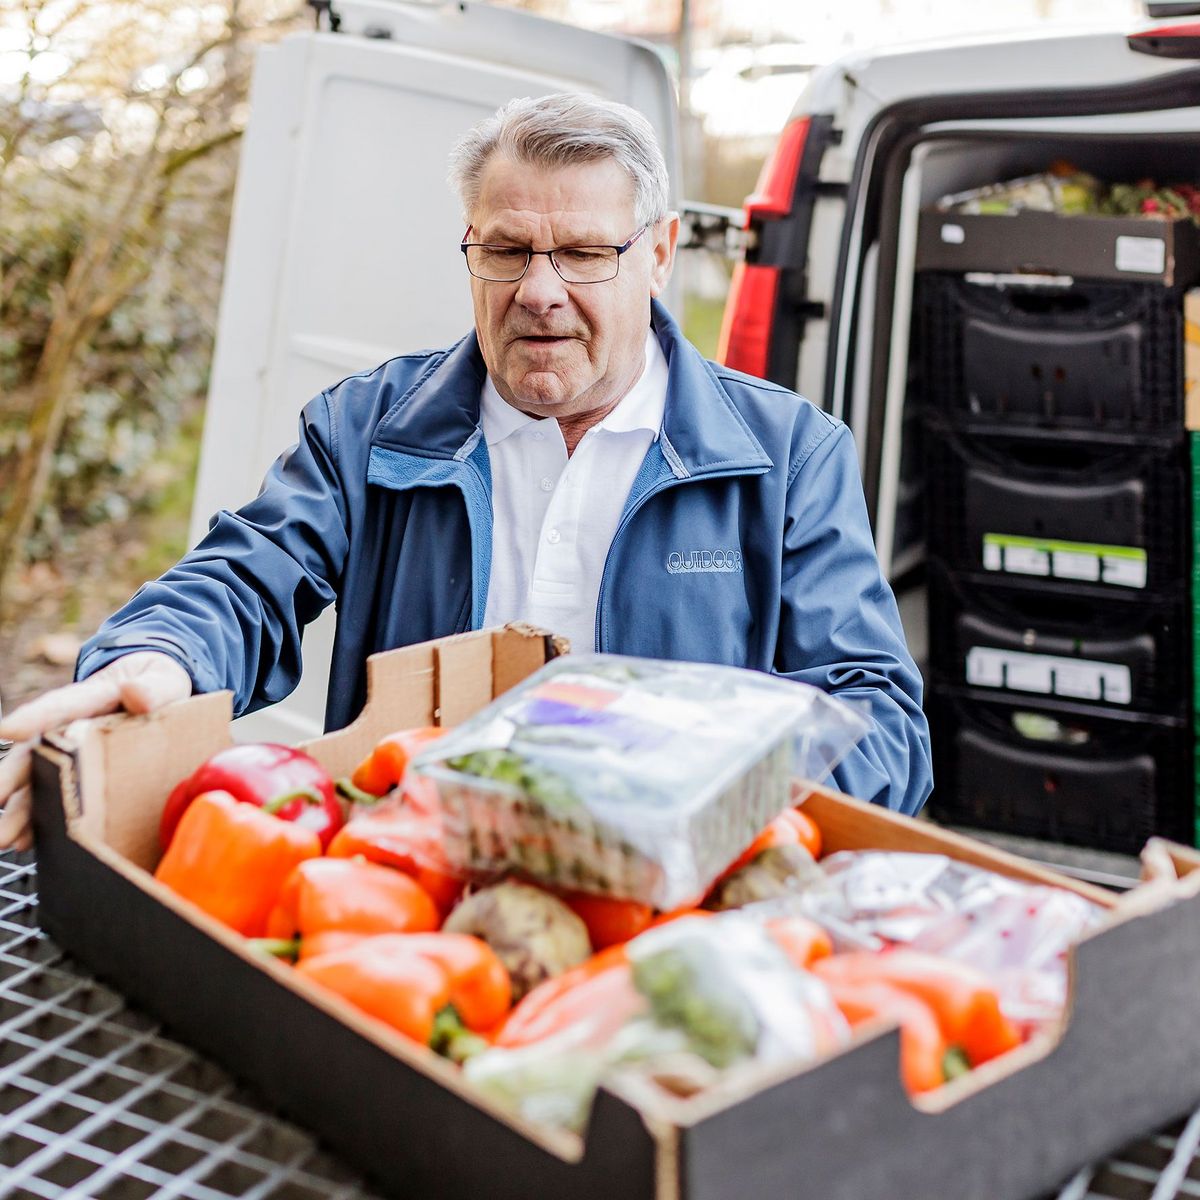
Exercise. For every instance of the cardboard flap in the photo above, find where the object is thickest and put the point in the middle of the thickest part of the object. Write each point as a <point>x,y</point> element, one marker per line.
<point>435,683</point>
<point>124,767</point>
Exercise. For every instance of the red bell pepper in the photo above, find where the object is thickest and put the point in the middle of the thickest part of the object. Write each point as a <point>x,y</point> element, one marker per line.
<point>409,840</point>
<point>278,779</point>
<point>609,921</point>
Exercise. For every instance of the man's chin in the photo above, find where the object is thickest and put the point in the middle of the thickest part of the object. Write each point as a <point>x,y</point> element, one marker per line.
<point>544,390</point>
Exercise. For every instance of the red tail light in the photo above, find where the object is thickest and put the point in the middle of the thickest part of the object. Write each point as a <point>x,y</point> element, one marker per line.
<point>745,342</point>
<point>1168,41</point>
<point>772,195</point>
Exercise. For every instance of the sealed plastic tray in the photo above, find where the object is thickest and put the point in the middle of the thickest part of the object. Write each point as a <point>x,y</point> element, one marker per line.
<point>631,777</point>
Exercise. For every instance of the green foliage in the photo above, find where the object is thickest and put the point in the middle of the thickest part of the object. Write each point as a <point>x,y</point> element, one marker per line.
<point>117,163</point>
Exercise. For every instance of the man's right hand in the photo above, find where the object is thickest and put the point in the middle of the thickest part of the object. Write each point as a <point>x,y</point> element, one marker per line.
<point>139,683</point>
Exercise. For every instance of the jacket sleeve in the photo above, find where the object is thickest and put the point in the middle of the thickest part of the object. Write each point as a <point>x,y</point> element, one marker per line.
<point>233,610</point>
<point>840,627</point>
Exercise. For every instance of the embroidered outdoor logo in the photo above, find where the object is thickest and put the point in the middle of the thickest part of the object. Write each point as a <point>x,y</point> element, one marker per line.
<point>688,561</point>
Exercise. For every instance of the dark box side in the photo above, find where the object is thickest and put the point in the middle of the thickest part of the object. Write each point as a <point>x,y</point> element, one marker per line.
<point>1046,243</point>
<point>843,1129</point>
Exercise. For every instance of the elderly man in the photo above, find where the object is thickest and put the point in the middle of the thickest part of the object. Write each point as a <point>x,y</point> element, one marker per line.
<point>573,462</point>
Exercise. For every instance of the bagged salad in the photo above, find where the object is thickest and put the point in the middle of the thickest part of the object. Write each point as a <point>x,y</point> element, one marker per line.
<point>630,777</point>
<point>682,1006</point>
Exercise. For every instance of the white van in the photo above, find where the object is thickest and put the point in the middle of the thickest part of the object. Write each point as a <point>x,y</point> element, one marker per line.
<point>343,245</point>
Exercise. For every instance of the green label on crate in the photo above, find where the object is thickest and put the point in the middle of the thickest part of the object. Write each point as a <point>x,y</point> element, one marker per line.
<point>1090,562</point>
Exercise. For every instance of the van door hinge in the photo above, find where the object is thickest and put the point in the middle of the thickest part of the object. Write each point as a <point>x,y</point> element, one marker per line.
<point>326,7</point>
<point>715,228</point>
<point>830,187</point>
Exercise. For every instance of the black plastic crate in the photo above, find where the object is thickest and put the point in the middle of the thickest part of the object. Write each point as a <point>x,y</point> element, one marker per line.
<point>1067,773</point>
<point>1064,508</point>
<point>1101,357</point>
<point>1055,640</point>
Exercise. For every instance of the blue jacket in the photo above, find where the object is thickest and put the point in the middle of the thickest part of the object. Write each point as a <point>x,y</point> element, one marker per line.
<point>744,540</point>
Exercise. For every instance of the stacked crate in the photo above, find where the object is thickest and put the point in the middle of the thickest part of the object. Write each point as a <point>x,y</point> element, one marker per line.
<point>1059,539</point>
<point>1191,370</point>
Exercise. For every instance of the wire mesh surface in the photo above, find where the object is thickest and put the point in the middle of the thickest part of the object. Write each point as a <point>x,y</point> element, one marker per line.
<point>97,1103</point>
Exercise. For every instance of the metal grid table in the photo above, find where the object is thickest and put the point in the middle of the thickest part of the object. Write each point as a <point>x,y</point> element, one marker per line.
<point>97,1102</point>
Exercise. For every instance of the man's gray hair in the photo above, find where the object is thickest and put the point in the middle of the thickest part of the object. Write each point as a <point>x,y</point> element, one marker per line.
<point>560,130</point>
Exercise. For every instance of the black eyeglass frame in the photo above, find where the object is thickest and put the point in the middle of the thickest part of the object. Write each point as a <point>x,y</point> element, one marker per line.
<point>464,246</point>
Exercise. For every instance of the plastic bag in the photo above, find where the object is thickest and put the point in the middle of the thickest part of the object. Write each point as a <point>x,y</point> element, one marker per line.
<point>713,995</point>
<point>1016,933</point>
<point>631,777</point>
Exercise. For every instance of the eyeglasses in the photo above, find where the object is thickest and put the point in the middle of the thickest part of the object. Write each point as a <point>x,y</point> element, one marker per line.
<point>574,264</point>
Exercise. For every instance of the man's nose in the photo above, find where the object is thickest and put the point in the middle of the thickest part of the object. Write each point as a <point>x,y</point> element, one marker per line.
<point>541,287</point>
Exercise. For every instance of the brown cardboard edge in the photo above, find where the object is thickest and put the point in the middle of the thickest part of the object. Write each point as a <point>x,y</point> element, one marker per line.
<point>838,816</point>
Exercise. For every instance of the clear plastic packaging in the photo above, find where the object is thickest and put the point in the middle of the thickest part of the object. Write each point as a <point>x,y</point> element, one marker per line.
<point>630,777</point>
<point>714,996</point>
<point>1017,933</point>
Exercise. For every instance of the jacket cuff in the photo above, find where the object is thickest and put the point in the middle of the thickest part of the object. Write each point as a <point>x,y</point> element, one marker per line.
<point>107,648</point>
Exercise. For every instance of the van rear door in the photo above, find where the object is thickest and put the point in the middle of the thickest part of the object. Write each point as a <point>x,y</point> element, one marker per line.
<point>343,249</point>
<point>880,114</point>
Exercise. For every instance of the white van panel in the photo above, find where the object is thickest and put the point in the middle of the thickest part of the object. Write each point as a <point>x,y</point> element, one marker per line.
<point>344,245</point>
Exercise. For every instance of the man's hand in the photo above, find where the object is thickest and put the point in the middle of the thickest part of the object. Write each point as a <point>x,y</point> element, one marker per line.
<point>139,683</point>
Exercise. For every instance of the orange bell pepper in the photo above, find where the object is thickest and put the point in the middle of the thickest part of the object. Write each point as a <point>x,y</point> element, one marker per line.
<point>350,895</point>
<point>426,986</point>
<point>404,991</point>
<point>802,940</point>
<point>384,768</point>
<point>609,921</point>
<point>480,987</point>
<point>926,1059</point>
<point>232,859</point>
<point>963,1000</point>
<point>410,841</point>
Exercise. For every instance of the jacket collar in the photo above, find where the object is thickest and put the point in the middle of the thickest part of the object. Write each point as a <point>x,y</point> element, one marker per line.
<point>704,431</point>
<point>439,415</point>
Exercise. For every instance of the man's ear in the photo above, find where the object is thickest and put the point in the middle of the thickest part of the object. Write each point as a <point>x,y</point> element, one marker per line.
<point>666,235</point>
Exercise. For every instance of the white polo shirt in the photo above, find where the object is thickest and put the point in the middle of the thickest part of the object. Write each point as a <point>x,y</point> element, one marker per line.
<point>553,517</point>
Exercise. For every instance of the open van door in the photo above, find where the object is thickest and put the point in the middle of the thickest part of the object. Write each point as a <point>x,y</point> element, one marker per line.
<point>1016,614</point>
<point>343,249</point>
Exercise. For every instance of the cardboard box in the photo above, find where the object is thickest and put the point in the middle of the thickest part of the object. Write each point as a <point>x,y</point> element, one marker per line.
<point>1126,1060</point>
<point>1128,249</point>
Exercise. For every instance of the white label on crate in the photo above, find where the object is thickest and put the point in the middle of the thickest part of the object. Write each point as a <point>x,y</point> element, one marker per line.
<point>1124,566</point>
<point>985,667</point>
<point>1026,560</point>
<point>1127,572</point>
<point>1070,564</point>
<point>954,234</point>
<point>1049,674</point>
<point>1145,255</point>
<point>1080,681</point>
<point>1029,673</point>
